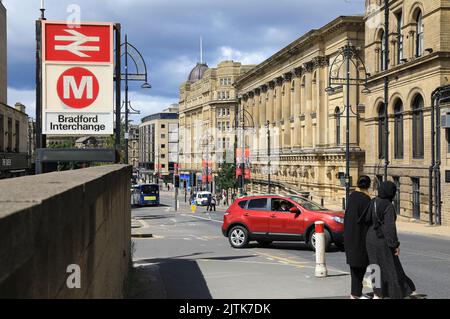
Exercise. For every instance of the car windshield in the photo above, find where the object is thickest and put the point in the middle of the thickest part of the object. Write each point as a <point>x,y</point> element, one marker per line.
<point>149,189</point>
<point>309,205</point>
<point>204,195</point>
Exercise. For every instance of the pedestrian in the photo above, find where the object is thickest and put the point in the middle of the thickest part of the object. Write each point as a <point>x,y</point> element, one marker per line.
<point>383,246</point>
<point>208,202</point>
<point>212,204</point>
<point>355,236</point>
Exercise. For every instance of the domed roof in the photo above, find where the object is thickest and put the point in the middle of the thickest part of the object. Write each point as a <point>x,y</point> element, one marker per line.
<point>197,72</point>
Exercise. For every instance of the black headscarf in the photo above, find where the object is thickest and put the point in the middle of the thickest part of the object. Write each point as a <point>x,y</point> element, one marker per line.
<point>387,190</point>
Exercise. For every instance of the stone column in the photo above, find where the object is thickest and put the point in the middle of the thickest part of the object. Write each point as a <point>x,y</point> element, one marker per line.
<point>296,107</point>
<point>257,108</point>
<point>279,112</point>
<point>263,106</point>
<point>286,111</point>
<point>270,102</point>
<point>308,106</point>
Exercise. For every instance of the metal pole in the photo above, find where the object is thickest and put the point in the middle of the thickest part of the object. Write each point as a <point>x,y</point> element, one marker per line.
<point>126,99</point>
<point>347,155</point>
<point>268,157</point>
<point>433,163</point>
<point>177,170</point>
<point>386,90</point>
<point>39,138</point>
<point>207,159</point>
<point>118,89</point>
<point>437,172</point>
<point>243,153</point>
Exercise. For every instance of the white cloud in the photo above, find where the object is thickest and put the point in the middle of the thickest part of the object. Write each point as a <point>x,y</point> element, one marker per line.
<point>229,53</point>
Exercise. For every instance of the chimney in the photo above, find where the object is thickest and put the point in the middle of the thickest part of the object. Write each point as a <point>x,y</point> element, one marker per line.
<point>20,107</point>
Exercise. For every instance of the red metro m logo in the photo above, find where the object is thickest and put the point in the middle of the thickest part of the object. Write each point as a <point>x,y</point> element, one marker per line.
<point>78,88</point>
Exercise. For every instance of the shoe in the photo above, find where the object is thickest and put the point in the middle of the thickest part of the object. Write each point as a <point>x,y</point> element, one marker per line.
<point>364,297</point>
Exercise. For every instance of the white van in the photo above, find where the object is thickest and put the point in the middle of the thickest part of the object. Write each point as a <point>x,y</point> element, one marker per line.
<point>201,198</point>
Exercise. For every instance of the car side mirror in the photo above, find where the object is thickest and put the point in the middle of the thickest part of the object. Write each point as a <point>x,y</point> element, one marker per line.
<point>295,210</point>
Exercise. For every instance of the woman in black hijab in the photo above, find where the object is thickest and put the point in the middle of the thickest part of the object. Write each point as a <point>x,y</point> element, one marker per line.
<point>383,247</point>
<point>355,235</point>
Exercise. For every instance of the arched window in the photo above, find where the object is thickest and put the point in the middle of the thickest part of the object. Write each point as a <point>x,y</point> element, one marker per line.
<point>381,132</point>
<point>398,129</point>
<point>419,36</point>
<point>337,113</point>
<point>418,129</point>
<point>383,51</point>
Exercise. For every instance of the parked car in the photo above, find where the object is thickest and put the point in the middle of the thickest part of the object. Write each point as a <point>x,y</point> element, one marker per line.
<point>201,198</point>
<point>270,218</point>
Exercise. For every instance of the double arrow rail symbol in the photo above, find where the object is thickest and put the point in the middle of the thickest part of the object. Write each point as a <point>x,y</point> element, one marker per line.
<point>77,47</point>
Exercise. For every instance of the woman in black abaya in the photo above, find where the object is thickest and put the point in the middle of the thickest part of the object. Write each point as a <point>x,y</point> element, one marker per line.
<point>383,247</point>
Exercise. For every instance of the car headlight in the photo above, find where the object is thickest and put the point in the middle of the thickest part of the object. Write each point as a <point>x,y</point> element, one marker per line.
<point>339,220</point>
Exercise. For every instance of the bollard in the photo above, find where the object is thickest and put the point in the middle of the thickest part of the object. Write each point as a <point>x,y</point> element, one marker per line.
<point>321,267</point>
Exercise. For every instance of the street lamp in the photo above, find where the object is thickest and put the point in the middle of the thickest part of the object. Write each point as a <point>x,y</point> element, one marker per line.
<point>244,120</point>
<point>130,52</point>
<point>349,56</point>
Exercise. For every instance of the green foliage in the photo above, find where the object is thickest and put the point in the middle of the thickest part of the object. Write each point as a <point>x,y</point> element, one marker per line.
<point>226,178</point>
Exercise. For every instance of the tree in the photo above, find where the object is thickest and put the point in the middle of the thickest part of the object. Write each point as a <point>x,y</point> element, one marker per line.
<point>226,178</point>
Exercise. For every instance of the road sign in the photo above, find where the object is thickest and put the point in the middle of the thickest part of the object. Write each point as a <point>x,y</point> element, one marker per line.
<point>88,43</point>
<point>78,75</point>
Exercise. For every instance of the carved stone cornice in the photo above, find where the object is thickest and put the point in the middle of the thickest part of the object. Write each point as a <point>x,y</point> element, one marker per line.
<point>251,94</point>
<point>308,67</point>
<point>257,91</point>
<point>320,62</point>
<point>264,88</point>
<point>279,80</point>
<point>271,85</point>
<point>287,77</point>
<point>245,97</point>
<point>298,72</point>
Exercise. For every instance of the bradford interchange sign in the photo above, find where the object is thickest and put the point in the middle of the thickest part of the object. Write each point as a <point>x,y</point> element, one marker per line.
<point>77,78</point>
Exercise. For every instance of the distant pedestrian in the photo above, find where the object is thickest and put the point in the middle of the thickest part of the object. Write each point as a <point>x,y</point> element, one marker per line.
<point>212,204</point>
<point>208,202</point>
<point>383,246</point>
<point>355,235</point>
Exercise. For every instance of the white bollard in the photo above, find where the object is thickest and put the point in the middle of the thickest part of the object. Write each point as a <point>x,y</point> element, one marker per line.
<point>321,267</point>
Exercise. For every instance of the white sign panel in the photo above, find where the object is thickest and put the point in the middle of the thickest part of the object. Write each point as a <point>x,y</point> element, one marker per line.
<point>77,86</point>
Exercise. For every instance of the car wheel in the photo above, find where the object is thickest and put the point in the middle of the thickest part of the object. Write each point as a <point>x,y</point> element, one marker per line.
<point>238,237</point>
<point>264,243</point>
<point>312,240</point>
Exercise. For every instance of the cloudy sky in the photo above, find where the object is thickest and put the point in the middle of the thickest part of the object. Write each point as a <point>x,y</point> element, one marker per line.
<point>167,33</point>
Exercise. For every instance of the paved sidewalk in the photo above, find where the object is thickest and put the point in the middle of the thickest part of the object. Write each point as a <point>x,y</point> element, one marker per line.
<point>406,226</point>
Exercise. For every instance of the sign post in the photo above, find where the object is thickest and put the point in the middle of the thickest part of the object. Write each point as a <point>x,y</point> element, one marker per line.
<point>75,81</point>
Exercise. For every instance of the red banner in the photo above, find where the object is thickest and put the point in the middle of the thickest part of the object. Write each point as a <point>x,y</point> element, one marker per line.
<point>206,171</point>
<point>246,164</point>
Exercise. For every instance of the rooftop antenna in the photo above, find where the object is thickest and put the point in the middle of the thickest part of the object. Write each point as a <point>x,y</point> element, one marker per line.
<point>201,50</point>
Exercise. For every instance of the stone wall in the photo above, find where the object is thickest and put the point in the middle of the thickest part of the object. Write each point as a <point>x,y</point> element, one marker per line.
<point>51,221</point>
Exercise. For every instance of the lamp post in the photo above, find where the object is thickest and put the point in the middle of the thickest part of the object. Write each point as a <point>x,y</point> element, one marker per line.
<point>130,52</point>
<point>244,120</point>
<point>386,89</point>
<point>349,56</point>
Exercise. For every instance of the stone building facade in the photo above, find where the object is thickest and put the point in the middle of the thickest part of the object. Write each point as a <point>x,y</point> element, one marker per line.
<point>307,125</point>
<point>419,46</point>
<point>158,143</point>
<point>208,103</point>
<point>13,141</point>
<point>3,56</point>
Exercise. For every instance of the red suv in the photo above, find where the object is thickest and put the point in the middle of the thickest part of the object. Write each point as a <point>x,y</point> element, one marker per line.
<point>277,218</point>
